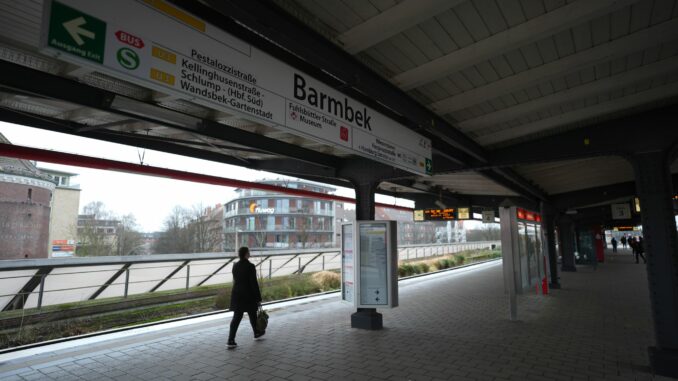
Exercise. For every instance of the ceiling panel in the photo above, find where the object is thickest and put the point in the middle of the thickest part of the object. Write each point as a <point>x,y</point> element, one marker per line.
<point>425,44</point>
<point>567,176</point>
<point>512,12</point>
<point>469,183</point>
<point>364,9</point>
<point>533,8</point>
<point>455,28</point>
<point>491,15</point>
<point>472,21</point>
<point>433,30</point>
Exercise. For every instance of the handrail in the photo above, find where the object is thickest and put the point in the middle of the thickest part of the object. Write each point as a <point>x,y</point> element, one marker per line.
<point>23,264</point>
<point>178,267</point>
<point>450,243</point>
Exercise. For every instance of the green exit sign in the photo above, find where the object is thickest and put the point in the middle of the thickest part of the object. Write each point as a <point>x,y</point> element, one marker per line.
<point>76,33</point>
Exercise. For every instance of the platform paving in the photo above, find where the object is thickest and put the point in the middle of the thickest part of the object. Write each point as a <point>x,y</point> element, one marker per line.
<point>450,327</point>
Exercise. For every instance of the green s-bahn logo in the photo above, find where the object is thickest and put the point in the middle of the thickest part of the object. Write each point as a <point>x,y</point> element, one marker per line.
<point>128,58</point>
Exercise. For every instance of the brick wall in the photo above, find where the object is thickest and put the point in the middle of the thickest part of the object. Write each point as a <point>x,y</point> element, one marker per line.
<point>24,222</point>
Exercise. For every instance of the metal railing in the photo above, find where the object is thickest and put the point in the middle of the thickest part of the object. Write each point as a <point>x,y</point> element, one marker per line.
<point>34,283</point>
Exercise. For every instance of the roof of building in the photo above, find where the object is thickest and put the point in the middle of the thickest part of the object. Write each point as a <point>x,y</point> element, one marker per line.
<point>19,166</point>
<point>57,172</point>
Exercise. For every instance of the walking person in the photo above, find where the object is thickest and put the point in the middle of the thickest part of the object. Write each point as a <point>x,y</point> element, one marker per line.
<point>245,296</point>
<point>623,241</point>
<point>632,245</point>
<point>614,245</point>
<point>639,249</point>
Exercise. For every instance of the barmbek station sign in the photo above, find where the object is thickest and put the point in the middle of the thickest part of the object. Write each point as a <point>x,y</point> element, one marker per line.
<point>154,44</point>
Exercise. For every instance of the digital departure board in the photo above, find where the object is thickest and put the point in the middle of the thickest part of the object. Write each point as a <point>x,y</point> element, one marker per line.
<point>435,214</point>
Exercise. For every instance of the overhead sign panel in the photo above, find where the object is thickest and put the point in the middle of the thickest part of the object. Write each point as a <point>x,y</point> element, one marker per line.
<point>159,46</point>
<point>488,216</point>
<point>625,228</point>
<point>434,214</point>
<point>621,211</point>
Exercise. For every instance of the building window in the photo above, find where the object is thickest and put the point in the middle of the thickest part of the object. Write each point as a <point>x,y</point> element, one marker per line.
<point>30,194</point>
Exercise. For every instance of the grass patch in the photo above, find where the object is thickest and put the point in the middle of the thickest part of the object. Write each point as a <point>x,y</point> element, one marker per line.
<point>78,326</point>
<point>414,267</point>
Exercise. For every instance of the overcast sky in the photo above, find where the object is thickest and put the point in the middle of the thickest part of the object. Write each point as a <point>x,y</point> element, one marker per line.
<point>150,199</point>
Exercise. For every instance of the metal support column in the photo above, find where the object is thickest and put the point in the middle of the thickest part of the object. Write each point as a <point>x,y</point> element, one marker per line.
<point>366,318</point>
<point>510,255</point>
<point>566,235</point>
<point>548,227</point>
<point>365,176</point>
<point>655,190</point>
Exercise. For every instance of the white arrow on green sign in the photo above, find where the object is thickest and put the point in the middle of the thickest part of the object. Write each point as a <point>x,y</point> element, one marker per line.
<point>76,33</point>
<point>74,28</point>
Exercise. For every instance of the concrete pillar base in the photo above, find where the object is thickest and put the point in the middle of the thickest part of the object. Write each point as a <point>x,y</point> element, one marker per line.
<point>367,318</point>
<point>664,362</point>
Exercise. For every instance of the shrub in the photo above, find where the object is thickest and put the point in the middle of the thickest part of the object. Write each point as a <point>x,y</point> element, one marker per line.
<point>401,270</point>
<point>223,299</point>
<point>424,267</point>
<point>411,269</point>
<point>433,265</point>
<point>406,269</point>
<point>460,260</point>
<point>302,286</point>
<point>326,280</point>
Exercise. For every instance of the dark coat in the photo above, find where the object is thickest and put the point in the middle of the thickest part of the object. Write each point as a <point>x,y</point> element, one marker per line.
<point>245,295</point>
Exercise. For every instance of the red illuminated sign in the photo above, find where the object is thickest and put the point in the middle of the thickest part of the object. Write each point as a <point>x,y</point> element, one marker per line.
<point>523,214</point>
<point>520,213</point>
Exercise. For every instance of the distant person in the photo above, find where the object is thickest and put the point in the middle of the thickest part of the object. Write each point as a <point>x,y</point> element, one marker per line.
<point>623,241</point>
<point>632,244</point>
<point>640,249</point>
<point>245,296</point>
<point>614,245</point>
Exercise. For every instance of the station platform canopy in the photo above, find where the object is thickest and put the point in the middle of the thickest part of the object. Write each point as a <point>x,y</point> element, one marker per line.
<point>461,102</point>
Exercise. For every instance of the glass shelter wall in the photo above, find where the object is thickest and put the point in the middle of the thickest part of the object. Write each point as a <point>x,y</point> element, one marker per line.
<point>528,254</point>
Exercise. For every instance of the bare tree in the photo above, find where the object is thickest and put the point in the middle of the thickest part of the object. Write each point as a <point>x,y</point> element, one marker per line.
<point>260,233</point>
<point>488,232</point>
<point>305,228</point>
<point>129,239</point>
<point>191,231</point>
<point>176,237</point>
<point>93,234</point>
<point>206,230</point>
<point>98,210</point>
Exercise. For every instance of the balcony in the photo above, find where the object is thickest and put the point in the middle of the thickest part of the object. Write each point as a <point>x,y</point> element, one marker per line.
<point>281,211</point>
